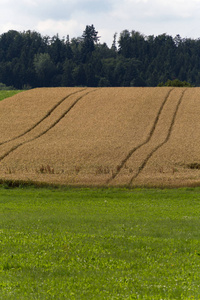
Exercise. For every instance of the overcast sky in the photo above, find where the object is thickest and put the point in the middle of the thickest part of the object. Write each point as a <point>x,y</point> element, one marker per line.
<point>70,17</point>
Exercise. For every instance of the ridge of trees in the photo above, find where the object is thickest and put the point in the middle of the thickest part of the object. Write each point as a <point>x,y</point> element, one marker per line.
<point>28,59</point>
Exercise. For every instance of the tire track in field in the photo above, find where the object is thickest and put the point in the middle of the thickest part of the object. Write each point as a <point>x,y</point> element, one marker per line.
<point>41,120</point>
<point>143,164</point>
<point>131,152</point>
<point>12,149</point>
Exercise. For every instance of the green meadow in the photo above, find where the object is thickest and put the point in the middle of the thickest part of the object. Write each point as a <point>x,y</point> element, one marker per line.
<point>81,243</point>
<point>8,93</point>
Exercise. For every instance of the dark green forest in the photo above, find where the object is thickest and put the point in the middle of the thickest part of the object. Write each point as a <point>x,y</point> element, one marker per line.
<point>29,60</point>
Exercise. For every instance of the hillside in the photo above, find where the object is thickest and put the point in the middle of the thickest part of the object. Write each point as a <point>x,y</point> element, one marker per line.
<point>102,136</point>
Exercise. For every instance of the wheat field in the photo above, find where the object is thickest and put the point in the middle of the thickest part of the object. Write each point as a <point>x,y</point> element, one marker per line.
<point>102,136</point>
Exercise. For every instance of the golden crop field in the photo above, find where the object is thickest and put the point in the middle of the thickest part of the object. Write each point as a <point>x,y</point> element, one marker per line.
<point>102,136</point>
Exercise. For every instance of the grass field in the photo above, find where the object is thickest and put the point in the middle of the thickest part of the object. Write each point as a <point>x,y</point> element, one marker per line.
<point>99,243</point>
<point>6,94</point>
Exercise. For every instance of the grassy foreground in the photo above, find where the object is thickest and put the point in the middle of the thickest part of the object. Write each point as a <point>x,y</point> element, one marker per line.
<point>99,243</point>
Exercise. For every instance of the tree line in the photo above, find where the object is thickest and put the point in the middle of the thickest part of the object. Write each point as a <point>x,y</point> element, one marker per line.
<point>29,60</point>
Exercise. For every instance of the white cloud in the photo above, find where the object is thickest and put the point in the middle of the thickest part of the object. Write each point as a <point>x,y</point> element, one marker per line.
<point>63,28</point>
<point>155,10</point>
<point>50,17</point>
<point>31,3</point>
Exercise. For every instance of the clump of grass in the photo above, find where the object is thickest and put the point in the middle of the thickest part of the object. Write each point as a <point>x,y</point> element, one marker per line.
<point>77,169</point>
<point>10,170</point>
<point>174,170</point>
<point>102,170</point>
<point>194,166</point>
<point>45,170</point>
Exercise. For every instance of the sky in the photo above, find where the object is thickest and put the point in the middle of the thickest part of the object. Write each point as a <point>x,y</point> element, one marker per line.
<point>70,17</point>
